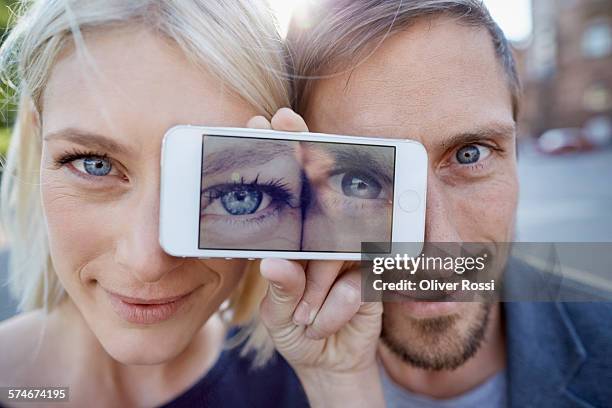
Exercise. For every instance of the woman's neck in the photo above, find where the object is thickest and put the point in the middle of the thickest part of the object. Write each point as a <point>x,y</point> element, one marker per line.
<point>94,372</point>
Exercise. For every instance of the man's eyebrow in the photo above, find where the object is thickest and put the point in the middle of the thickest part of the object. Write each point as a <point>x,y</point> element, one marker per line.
<point>87,139</point>
<point>494,131</point>
<point>244,155</point>
<point>377,159</point>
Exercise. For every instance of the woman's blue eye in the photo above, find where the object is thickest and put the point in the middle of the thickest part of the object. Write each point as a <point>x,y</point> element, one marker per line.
<point>468,154</point>
<point>360,185</point>
<point>241,200</point>
<point>97,166</point>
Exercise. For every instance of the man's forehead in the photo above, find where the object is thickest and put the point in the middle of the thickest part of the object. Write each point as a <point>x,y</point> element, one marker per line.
<point>436,75</point>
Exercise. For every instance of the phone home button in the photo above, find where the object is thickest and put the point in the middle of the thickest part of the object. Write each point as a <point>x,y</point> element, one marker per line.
<point>409,201</point>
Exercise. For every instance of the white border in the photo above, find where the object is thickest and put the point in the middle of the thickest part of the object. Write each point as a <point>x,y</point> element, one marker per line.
<point>180,201</point>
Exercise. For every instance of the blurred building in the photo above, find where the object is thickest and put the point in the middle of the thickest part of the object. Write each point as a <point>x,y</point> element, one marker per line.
<point>567,67</point>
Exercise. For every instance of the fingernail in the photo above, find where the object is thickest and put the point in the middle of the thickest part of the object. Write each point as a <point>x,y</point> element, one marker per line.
<point>302,314</point>
<point>312,334</point>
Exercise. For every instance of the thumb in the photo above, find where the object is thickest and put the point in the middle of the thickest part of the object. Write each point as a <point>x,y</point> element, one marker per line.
<point>287,281</point>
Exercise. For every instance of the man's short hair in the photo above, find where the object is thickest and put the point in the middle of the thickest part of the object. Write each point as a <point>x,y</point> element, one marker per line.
<point>335,34</point>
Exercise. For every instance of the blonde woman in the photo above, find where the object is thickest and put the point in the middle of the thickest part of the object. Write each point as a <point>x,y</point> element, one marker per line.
<point>106,312</point>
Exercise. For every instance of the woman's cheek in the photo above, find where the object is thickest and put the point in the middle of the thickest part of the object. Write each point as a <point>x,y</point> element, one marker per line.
<point>79,229</point>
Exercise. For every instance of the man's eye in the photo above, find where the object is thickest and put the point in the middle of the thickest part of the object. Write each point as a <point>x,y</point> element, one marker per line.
<point>356,184</point>
<point>471,154</point>
<point>94,166</point>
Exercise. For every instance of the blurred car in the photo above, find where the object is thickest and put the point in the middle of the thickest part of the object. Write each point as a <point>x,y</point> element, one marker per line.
<point>599,130</point>
<point>566,140</point>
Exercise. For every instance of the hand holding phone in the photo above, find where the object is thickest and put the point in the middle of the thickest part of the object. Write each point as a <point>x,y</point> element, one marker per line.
<point>314,303</point>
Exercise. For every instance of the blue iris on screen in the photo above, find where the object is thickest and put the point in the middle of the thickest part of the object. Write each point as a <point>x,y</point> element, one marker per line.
<point>243,200</point>
<point>360,185</point>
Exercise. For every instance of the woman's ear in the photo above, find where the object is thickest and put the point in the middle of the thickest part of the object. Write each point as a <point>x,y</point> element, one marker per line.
<point>30,114</point>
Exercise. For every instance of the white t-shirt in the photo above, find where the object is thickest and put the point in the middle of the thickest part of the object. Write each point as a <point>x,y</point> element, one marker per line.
<point>490,394</point>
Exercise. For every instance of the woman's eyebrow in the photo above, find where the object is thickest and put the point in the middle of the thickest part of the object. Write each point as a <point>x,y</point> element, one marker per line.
<point>87,139</point>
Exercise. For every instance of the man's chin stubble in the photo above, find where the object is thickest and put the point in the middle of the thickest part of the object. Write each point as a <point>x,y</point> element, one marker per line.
<point>436,343</point>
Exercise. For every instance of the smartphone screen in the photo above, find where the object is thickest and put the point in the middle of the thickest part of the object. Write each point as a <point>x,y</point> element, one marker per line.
<point>287,195</point>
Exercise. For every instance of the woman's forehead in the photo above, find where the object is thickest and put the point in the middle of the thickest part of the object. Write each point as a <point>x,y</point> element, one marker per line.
<point>135,83</point>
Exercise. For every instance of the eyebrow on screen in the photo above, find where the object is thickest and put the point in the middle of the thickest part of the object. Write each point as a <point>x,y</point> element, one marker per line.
<point>87,139</point>
<point>377,159</point>
<point>255,153</point>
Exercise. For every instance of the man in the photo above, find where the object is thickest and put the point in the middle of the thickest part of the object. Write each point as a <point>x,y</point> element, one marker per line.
<point>441,72</point>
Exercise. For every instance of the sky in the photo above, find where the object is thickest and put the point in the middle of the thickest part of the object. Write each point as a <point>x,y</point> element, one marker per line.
<point>513,16</point>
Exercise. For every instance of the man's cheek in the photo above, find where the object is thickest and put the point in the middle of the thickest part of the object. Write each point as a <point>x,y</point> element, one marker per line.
<point>486,210</point>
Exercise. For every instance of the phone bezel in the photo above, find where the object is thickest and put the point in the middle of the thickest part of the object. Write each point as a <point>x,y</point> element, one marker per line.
<point>180,215</point>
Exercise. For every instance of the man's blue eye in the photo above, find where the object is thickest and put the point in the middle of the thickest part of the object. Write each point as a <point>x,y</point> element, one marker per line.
<point>359,185</point>
<point>97,166</point>
<point>242,200</point>
<point>468,154</point>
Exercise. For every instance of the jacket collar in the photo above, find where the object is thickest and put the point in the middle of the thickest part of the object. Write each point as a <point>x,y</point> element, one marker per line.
<point>544,354</point>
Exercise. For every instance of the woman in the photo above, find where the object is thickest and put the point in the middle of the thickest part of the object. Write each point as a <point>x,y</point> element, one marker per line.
<point>111,315</point>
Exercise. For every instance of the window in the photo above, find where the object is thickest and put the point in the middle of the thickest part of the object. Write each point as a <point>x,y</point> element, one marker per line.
<point>597,39</point>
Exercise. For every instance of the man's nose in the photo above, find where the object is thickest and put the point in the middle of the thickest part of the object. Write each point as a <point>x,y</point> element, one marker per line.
<point>440,223</point>
<point>138,250</point>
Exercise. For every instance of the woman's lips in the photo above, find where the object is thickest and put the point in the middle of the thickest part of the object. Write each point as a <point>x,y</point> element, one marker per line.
<point>146,311</point>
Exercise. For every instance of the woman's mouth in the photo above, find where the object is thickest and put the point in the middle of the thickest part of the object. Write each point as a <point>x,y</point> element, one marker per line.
<point>147,311</point>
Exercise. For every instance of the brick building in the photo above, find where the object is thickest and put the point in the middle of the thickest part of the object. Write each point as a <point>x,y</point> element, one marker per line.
<point>567,67</point>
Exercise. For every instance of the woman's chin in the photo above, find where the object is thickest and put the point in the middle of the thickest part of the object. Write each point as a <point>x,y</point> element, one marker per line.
<point>145,347</point>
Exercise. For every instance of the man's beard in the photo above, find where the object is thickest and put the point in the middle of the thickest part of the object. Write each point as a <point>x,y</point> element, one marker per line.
<point>440,343</point>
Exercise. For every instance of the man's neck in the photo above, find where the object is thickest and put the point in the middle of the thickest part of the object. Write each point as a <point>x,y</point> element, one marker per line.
<point>488,360</point>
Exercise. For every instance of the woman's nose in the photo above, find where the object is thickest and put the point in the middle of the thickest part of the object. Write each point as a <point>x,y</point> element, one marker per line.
<point>137,249</point>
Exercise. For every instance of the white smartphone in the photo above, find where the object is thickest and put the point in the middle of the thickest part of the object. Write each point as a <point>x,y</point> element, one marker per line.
<point>248,193</point>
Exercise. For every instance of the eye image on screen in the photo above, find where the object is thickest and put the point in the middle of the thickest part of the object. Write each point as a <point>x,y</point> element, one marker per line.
<point>287,195</point>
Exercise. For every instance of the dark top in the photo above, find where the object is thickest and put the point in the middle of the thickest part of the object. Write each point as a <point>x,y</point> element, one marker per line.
<point>232,382</point>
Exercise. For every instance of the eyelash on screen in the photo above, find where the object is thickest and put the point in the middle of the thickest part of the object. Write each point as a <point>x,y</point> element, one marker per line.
<point>276,188</point>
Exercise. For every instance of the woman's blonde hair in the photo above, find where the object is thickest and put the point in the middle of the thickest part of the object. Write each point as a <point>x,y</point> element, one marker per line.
<point>236,41</point>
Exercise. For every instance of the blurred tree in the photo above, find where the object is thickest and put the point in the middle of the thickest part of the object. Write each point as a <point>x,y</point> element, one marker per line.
<point>4,12</point>
<point>7,108</point>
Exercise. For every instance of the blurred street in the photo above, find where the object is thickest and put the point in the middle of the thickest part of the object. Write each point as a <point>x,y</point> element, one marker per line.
<point>565,198</point>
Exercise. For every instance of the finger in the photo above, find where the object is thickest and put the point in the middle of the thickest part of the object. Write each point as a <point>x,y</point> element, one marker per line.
<point>320,276</point>
<point>288,120</point>
<point>259,122</point>
<point>340,306</point>
<point>287,281</point>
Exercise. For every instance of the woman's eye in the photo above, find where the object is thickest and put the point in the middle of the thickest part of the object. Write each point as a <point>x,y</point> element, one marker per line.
<point>356,184</point>
<point>242,201</point>
<point>94,166</point>
<point>237,200</point>
<point>471,154</point>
